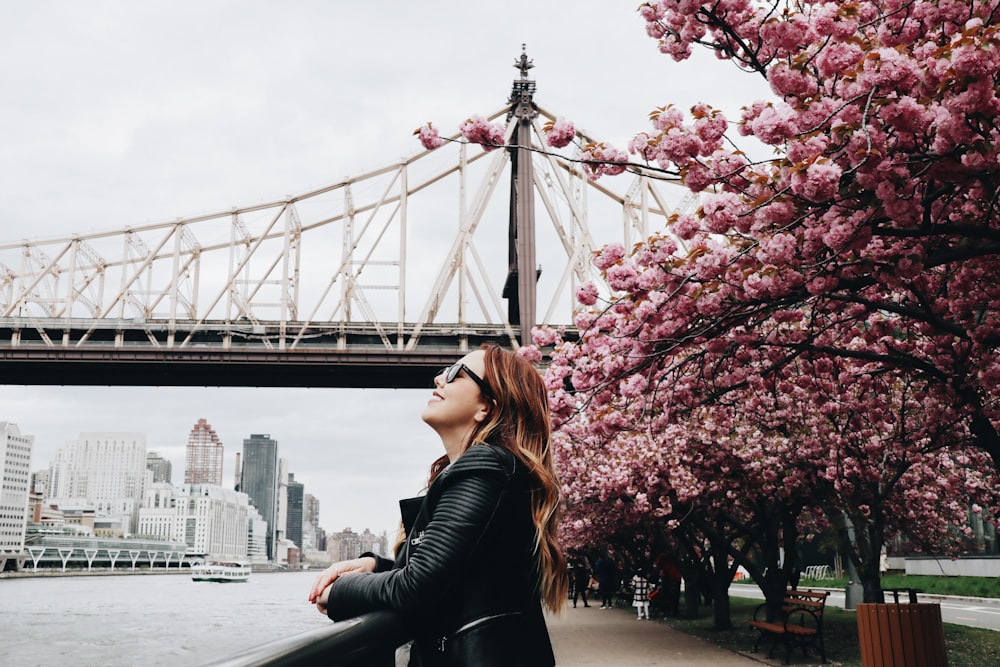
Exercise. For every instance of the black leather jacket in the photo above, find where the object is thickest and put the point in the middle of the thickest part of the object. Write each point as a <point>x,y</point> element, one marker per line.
<point>465,579</point>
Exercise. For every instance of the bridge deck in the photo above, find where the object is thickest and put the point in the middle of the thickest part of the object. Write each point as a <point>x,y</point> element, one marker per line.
<point>614,638</point>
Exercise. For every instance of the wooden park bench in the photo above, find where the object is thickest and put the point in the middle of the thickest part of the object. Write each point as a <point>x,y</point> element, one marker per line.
<point>800,626</point>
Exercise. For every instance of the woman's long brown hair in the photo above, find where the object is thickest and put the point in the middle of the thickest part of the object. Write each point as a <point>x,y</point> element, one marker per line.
<point>520,423</point>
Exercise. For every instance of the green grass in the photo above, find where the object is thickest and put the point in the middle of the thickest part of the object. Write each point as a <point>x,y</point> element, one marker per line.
<point>967,647</point>
<point>980,587</point>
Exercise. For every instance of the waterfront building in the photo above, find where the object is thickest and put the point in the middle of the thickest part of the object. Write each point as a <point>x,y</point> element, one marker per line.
<point>107,470</point>
<point>161,468</point>
<point>259,480</point>
<point>204,456</point>
<point>64,548</point>
<point>212,520</point>
<point>293,523</point>
<point>15,480</point>
<point>347,544</point>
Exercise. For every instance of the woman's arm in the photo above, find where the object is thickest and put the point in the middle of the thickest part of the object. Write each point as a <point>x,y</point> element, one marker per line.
<point>469,494</point>
<point>365,563</point>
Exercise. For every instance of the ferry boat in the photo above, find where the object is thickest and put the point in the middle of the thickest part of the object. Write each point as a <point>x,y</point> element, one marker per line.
<point>221,572</point>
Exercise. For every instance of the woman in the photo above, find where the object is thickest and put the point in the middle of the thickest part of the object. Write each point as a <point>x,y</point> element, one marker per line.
<point>481,556</point>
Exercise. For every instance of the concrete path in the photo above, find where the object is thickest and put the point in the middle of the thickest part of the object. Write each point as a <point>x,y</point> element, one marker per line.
<point>614,638</point>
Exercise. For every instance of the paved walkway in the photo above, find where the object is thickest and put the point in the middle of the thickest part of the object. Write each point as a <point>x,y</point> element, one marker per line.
<point>614,638</point>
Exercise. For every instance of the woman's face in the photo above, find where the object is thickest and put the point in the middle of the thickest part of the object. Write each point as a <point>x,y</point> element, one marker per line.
<point>456,406</point>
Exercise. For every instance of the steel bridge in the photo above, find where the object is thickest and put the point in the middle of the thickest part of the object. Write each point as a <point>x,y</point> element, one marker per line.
<point>369,282</point>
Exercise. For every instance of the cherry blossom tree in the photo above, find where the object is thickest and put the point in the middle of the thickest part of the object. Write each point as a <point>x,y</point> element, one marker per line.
<point>871,236</point>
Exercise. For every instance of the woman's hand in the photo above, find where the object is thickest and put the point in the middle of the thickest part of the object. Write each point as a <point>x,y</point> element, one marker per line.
<point>320,591</point>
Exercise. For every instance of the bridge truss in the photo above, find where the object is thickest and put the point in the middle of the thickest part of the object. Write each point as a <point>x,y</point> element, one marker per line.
<point>400,266</point>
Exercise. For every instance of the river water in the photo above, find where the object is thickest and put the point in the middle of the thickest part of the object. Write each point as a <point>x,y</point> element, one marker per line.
<point>148,620</point>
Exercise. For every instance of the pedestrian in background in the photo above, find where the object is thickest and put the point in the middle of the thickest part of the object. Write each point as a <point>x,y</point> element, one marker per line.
<point>606,575</point>
<point>581,581</point>
<point>640,594</point>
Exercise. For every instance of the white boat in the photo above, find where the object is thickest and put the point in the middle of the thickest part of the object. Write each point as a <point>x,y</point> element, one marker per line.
<point>221,571</point>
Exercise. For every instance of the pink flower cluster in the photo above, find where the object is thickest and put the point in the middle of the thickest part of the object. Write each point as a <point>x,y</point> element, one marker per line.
<point>478,130</point>
<point>600,159</point>
<point>559,133</point>
<point>429,137</point>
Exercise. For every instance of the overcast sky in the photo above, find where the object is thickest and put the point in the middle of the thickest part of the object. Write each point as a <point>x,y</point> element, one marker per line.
<point>122,113</point>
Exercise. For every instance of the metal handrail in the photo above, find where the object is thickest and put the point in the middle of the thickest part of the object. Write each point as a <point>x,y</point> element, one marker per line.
<point>369,640</point>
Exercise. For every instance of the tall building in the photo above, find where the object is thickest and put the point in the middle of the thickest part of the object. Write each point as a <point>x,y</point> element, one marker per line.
<point>259,480</point>
<point>294,521</point>
<point>102,470</point>
<point>203,461</point>
<point>162,468</point>
<point>15,479</point>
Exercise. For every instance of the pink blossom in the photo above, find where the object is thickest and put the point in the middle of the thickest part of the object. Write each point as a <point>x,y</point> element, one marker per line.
<point>819,182</point>
<point>685,227</point>
<point>601,159</point>
<point>587,294</point>
<point>721,211</point>
<point>478,130</point>
<point>560,133</point>
<point>609,255</point>
<point>710,124</point>
<point>788,80</point>
<point>429,137</point>
<point>772,124</point>
<point>778,249</point>
<point>622,277</point>
<point>837,58</point>
<point>544,336</point>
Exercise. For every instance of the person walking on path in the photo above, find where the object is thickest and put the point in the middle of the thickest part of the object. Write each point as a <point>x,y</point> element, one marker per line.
<point>581,581</point>
<point>640,594</point>
<point>605,573</point>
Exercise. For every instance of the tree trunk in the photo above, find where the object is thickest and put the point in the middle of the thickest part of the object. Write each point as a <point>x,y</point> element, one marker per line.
<point>720,609</point>
<point>722,577</point>
<point>692,594</point>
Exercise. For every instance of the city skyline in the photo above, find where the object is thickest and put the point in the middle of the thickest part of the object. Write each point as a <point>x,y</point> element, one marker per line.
<point>176,456</point>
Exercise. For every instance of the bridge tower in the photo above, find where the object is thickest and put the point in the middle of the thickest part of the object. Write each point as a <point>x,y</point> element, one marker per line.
<point>522,275</point>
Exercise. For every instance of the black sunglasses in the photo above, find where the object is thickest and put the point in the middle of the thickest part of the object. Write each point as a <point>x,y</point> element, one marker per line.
<point>451,372</point>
